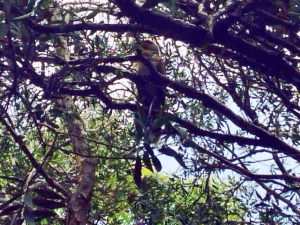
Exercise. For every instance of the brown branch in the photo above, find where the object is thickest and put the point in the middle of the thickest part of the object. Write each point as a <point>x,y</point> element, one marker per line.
<point>93,156</point>
<point>198,36</point>
<point>66,28</point>
<point>189,92</point>
<point>213,104</point>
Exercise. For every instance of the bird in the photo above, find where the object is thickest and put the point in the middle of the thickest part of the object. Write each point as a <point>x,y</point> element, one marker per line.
<point>150,92</point>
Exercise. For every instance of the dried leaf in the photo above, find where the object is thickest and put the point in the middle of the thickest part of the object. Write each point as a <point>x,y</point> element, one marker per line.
<point>48,193</point>
<point>10,209</point>
<point>149,149</point>
<point>137,176</point>
<point>170,152</point>
<point>49,204</point>
<point>156,163</point>
<point>43,213</point>
<point>147,161</point>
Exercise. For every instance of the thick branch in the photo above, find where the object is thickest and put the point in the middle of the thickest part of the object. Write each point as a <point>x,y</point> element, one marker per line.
<point>198,36</point>
<point>190,92</point>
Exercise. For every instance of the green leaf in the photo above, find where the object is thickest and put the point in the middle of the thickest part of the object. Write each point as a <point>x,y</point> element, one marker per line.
<point>71,13</point>
<point>23,16</point>
<point>92,14</point>
<point>258,195</point>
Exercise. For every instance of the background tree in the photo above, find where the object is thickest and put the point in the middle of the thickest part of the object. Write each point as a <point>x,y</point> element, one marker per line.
<point>67,91</point>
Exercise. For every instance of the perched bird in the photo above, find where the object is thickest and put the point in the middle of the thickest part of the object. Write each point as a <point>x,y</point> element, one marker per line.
<point>150,92</point>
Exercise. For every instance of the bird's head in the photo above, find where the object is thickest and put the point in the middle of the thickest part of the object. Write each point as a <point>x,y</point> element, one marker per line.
<point>149,46</point>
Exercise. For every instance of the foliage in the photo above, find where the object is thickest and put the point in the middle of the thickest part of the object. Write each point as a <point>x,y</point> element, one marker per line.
<point>164,200</point>
<point>68,103</point>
